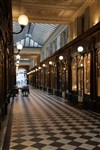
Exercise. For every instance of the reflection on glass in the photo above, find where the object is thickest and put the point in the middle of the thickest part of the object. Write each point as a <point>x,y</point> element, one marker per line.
<point>98,73</point>
<point>74,73</point>
<point>87,74</point>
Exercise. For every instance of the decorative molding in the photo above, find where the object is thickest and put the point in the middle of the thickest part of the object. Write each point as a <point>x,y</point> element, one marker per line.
<point>82,9</point>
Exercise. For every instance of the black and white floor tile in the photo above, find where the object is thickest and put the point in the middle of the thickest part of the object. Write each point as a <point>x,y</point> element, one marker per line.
<point>46,122</point>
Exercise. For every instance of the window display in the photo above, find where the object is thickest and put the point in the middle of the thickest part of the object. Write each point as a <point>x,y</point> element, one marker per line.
<point>87,74</point>
<point>60,75</point>
<point>54,76</point>
<point>74,75</point>
<point>80,78</point>
<point>64,76</point>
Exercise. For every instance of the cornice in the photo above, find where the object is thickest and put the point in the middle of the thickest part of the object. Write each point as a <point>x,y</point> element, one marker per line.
<point>82,9</point>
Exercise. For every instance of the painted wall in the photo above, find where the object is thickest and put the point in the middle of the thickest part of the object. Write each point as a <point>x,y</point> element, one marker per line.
<point>95,13</point>
<point>91,17</point>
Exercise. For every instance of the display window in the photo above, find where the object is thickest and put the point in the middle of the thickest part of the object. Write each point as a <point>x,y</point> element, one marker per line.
<point>64,67</point>
<point>54,76</point>
<point>66,76</point>
<point>87,74</point>
<point>80,77</point>
<point>74,75</point>
<point>60,75</point>
<point>98,72</point>
<point>42,76</point>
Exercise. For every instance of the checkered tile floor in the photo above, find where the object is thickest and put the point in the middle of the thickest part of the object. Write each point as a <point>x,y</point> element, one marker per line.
<point>46,122</point>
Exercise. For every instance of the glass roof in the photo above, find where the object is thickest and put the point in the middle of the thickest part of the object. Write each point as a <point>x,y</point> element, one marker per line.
<point>33,35</point>
<point>28,42</point>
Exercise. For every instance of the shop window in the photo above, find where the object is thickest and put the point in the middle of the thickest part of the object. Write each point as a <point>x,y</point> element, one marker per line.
<point>66,76</point>
<point>80,78</point>
<point>54,76</point>
<point>87,74</point>
<point>74,75</point>
<point>60,75</point>
<point>98,73</point>
<point>42,75</point>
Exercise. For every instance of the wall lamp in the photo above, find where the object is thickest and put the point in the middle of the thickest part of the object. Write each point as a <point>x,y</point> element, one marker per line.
<point>43,65</point>
<point>80,49</point>
<point>18,57</point>
<point>19,47</point>
<point>39,67</point>
<point>50,62</point>
<point>23,21</point>
<point>17,60</point>
<point>61,57</point>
